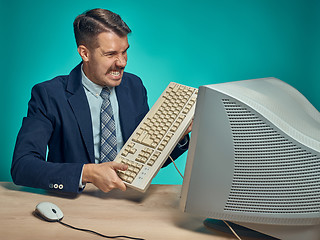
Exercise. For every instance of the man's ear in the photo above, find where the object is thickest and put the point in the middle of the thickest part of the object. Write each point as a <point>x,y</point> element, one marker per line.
<point>84,53</point>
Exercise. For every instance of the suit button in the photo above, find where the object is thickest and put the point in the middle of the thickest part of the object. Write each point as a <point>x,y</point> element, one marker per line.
<point>55,186</point>
<point>61,186</point>
<point>50,185</point>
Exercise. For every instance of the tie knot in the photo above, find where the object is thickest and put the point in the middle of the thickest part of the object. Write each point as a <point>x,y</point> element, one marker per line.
<point>105,93</point>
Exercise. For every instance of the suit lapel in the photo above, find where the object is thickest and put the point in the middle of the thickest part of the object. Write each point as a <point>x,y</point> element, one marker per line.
<point>127,116</point>
<point>80,106</point>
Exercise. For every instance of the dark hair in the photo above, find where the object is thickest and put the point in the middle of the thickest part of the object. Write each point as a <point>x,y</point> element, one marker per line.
<point>91,23</point>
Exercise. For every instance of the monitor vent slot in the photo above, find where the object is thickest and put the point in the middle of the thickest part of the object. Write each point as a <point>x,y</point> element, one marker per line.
<point>272,174</point>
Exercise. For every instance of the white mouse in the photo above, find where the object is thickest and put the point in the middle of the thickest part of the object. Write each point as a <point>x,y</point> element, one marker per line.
<point>49,211</point>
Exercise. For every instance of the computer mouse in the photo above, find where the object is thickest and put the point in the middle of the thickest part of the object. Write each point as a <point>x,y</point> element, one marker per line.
<point>49,211</point>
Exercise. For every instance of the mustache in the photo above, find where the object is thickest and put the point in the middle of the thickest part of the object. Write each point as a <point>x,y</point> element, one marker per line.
<point>116,69</point>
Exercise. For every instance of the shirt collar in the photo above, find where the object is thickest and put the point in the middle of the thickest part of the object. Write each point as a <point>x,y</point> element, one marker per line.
<point>93,88</point>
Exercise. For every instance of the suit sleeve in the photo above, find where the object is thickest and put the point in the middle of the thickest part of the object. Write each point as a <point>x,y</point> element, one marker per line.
<point>178,151</point>
<point>29,165</point>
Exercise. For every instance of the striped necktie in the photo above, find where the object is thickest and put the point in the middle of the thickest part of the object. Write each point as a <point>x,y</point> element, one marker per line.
<point>108,140</point>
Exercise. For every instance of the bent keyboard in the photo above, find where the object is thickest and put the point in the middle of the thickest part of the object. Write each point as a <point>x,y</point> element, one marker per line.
<point>157,135</point>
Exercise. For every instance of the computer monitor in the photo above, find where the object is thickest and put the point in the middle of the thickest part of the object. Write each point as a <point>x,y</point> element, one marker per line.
<point>254,158</point>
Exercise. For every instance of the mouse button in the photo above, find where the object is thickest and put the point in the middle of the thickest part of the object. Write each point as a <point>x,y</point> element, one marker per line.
<point>44,209</point>
<point>59,214</point>
<point>57,211</point>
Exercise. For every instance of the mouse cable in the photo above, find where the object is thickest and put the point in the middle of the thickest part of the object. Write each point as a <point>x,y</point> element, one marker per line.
<point>175,166</point>
<point>99,234</point>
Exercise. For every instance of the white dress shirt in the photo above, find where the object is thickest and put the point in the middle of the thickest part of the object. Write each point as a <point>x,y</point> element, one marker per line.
<point>93,91</point>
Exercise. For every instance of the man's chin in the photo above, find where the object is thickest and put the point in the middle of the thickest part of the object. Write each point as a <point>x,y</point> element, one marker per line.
<point>114,82</point>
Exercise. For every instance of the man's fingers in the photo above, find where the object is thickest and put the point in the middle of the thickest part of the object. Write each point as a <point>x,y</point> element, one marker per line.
<point>104,175</point>
<point>122,186</point>
<point>122,167</point>
<point>119,183</point>
<point>119,166</point>
<point>190,127</point>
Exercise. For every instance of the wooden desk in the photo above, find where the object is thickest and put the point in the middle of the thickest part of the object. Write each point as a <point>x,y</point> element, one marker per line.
<point>152,215</point>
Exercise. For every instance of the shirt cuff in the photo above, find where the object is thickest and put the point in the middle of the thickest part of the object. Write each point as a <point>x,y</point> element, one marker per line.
<point>184,141</point>
<point>81,186</point>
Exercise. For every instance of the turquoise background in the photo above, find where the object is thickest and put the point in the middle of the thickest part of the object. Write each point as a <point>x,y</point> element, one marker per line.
<point>189,42</point>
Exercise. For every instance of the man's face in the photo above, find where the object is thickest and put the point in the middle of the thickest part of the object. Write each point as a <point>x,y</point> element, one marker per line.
<point>105,64</point>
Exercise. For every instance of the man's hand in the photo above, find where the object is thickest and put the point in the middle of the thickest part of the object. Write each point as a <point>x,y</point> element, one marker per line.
<point>104,175</point>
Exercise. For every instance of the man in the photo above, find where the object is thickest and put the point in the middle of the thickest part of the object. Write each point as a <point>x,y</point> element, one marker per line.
<point>64,113</point>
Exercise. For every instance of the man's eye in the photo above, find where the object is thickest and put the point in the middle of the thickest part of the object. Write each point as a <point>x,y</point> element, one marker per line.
<point>109,54</point>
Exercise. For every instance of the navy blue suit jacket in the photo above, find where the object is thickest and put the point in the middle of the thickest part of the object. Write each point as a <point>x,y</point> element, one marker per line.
<point>59,118</point>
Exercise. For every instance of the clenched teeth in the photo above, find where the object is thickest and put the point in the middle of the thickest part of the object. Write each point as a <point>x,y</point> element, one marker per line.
<point>115,73</point>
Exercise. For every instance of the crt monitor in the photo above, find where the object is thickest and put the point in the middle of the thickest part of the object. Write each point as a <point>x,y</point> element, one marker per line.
<point>254,158</point>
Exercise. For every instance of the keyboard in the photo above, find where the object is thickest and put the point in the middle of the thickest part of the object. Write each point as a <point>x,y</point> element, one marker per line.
<point>156,136</point>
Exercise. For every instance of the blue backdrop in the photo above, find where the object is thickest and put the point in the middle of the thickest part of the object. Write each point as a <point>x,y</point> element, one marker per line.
<point>189,42</point>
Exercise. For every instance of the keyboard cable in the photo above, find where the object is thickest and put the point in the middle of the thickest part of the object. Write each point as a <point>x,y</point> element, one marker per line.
<point>231,229</point>
<point>175,166</point>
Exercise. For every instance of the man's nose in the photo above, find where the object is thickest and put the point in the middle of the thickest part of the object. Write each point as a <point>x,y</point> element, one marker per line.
<point>121,61</point>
